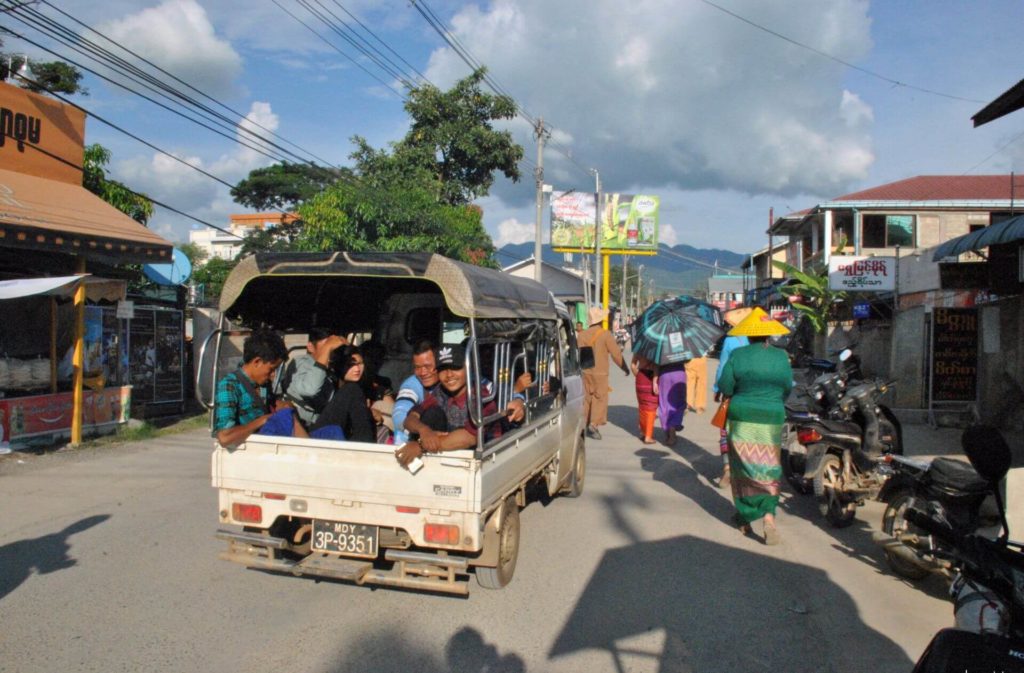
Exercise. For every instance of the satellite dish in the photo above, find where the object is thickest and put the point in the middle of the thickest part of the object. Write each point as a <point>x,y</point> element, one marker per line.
<point>175,273</point>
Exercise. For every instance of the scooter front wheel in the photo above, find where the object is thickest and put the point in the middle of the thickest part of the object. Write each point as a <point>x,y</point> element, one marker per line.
<point>838,509</point>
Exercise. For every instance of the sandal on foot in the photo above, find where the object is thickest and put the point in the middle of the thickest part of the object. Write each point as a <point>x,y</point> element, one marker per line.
<point>742,525</point>
<point>771,535</point>
<point>724,481</point>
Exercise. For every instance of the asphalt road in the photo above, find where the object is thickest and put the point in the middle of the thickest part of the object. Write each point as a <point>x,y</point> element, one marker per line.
<point>108,563</point>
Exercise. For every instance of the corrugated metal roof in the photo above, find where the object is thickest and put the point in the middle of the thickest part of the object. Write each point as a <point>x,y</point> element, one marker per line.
<point>943,188</point>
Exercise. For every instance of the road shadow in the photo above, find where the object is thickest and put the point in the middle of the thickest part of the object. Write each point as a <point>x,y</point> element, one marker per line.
<point>695,606</point>
<point>686,480</point>
<point>465,652</point>
<point>40,555</point>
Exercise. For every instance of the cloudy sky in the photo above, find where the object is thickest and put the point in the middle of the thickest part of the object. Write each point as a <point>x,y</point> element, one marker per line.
<point>724,108</point>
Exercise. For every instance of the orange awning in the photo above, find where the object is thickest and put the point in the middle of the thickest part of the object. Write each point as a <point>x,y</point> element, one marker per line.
<point>57,216</point>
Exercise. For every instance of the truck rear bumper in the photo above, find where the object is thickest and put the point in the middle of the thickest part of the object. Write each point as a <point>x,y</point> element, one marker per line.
<point>411,570</point>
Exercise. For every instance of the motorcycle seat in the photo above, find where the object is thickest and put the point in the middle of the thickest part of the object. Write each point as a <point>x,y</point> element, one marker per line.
<point>956,475</point>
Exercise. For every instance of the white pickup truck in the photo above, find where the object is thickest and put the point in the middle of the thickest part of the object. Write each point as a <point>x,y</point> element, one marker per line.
<point>348,510</point>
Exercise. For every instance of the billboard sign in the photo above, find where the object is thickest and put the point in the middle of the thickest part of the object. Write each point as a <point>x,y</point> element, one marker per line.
<point>862,274</point>
<point>629,222</point>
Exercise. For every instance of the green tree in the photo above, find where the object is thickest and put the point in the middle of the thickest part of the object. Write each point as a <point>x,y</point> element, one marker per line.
<point>211,276</point>
<point>56,76</point>
<point>817,301</point>
<point>94,178</point>
<point>452,136</point>
<point>284,186</point>
<point>393,218</point>
<point>196,253</point>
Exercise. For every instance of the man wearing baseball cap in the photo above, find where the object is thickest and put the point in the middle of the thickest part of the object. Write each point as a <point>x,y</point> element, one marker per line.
<point>441,422</point>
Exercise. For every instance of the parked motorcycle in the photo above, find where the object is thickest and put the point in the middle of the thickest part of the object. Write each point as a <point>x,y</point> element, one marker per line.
<point>988,591</point>
<point>813,399</point>
<point>845,447</point>
<point>951,487</point>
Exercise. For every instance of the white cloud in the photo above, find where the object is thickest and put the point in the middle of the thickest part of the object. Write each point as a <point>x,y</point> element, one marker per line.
<point>514,231</point>
<point>186,189</point>
<point>680,93</point>
<point>667,234</point>
<point>178,36</point>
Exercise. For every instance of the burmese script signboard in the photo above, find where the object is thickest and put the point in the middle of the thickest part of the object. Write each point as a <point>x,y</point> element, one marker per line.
<point>851,273</point>
<point>954,355</point>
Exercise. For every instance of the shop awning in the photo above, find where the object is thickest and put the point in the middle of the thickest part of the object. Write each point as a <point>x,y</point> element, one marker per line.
<point>57,216</point>
<point>96,289</point>
<point>1006,231</point>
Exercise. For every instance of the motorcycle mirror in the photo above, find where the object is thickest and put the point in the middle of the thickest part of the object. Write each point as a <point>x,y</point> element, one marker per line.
<point>987,450</point>
<point>845,355</point>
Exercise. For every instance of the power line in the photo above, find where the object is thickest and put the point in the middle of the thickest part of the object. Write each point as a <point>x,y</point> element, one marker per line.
<point>181,81</point>
<point>819,52</point>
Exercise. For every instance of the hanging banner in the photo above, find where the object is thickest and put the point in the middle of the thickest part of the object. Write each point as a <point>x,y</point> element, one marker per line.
<point>862,274</point>
<point>629,223</point>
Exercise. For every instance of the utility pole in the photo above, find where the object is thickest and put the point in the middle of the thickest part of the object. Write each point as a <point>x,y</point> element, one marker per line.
<point>622,295</point>
<point>539,173</point>
<point>597,233</point>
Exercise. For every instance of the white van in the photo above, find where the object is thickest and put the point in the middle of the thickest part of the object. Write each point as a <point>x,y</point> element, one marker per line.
<point>348,510</point>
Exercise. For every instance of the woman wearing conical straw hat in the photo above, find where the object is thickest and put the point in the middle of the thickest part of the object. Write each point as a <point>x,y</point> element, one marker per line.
<point>729,344</point>
<point>757,378</point>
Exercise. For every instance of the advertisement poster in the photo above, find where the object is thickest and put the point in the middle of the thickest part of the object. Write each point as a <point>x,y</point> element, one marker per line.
<point>862,274</point>
<point>629,222</point>
<point>954,355</point>
<point>142,355</point>
<point>22,418</point>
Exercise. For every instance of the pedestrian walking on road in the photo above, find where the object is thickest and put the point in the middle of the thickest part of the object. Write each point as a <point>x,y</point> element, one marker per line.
<point>697,384</point>
<point>729,344</point>
<point>595,379</point>
<point>672,399</point>
<point>645,374</point>
<point>757,378</point>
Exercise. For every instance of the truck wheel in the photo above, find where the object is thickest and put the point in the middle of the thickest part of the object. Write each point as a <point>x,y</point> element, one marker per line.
<point>828,489</point>
<point>574,484</point>
<point>894,523</point>
<point>508,550</point>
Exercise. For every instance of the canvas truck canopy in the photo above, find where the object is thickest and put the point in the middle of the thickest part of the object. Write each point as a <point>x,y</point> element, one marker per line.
<point>287,290</point>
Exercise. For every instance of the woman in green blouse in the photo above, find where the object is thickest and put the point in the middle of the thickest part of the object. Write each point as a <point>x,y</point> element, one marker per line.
<point>757,378</point>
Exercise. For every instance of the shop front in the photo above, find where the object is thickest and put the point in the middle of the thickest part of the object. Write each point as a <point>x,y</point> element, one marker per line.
<point>66,351</point>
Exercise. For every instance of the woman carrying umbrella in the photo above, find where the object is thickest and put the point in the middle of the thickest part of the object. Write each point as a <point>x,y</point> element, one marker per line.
<point>757,378</point>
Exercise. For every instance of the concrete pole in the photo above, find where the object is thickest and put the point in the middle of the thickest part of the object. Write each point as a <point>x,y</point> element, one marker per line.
<point>537,254</point>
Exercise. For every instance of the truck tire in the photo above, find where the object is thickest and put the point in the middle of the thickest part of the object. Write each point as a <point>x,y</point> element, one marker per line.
<point>574,484</point>
<point>508,549</point>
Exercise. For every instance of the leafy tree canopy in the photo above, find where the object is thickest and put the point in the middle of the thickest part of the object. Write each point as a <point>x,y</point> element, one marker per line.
<point>211,276</point>
<point>284,186</point>
<point>452,136</point>
<point>94,178</point>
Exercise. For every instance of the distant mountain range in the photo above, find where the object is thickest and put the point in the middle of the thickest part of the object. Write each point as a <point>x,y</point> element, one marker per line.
<point>677,269</point>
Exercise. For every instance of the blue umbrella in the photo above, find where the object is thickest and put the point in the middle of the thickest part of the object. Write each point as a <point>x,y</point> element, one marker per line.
<point>706,311</point>
<point>673,330</point>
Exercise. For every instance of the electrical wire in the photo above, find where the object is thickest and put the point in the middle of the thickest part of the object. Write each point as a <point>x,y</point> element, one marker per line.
<point>819,52</point>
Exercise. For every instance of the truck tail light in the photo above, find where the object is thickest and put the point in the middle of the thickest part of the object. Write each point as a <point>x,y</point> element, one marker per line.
<point>274,496</point>
<point>441,533</point>
<point>808,435</point>
<point>246,513</point>
<point>402,509</point>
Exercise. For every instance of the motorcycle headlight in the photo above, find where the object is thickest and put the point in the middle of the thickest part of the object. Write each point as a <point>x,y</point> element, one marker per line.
<point>819,394</point>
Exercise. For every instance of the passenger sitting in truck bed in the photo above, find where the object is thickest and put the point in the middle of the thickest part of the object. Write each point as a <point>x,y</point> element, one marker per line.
<point>348,412</point>
<point>414,389</point>
<point>241,399</point>
<point>308,381</point>
<point>449,402</point>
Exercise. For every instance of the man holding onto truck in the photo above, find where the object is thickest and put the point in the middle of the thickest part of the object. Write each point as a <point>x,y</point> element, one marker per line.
<point>441,421</point>
<point>415,388</point>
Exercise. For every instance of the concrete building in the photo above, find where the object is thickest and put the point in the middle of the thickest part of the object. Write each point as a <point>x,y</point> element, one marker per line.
<point>224,245</point>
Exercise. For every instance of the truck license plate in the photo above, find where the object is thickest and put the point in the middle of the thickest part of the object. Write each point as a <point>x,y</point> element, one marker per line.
<point>338,537</point>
